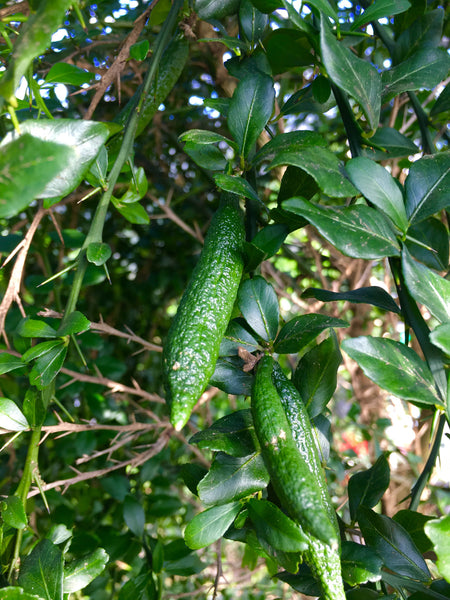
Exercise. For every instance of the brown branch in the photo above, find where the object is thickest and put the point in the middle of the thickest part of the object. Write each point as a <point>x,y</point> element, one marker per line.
<point>119,64</point>
<point>19,7</point>
<point>170,214</point>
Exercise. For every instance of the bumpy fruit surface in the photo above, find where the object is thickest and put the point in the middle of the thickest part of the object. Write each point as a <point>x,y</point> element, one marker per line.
<point>293,481</point>
<point>192,346</point>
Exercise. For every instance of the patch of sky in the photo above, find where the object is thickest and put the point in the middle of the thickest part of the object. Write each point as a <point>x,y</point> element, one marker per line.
<point>195,101</point>
<point>61,92</point>
<point>206,78</point>
<point>387,63</point>
<point>344,4</point>
<point>129,3</point>
<point>107,30</point>
<point>277,87</point>
<point>109,19</point>
<point>226,56</point>
<point>119,13</point>
<point>211,112</point>
<point>368,51</point>
<point>60,35</point>
<point>161,107</point>
<point>195,84</point>
<point>92,20</point>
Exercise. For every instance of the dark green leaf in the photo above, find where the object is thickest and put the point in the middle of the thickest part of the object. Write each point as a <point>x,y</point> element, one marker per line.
<point>237,336</point>
<point>208,526</point>
<point>439,533</point>
<point>270,238</point>
<point>364,593</point>
<point>287,48</point>
<point>229,376</point>
<point>378,186</point>
<point>184,566</point>
<point>8,363</point>
<point>233,434</point>
<point>442,104</point>
<point>293,141</point>
<point>31,328</point>
<point>427,288</point>
<point>358,231</point>
<point>316,375</point>
<point>204,137</point>
<point>215,9</point>
<point>301,330</point>
<point>414,524</point>
<point>252,21</point>
<point>41,572</point>
<point>11,417</point>
<point>367,487</point>
<point>379,9</point>
<point>17,593</point>
<point>232,478</point>
<point>427,186</point>
<point>134,515</point>
<point>206,156</point>
<point>68,74</point>
<point>433,234</point>
<point>374,295</point>
<point>303,581</point>
<point>236,185</point>
<point>296,182</point>
<point>394,367</point>
<point>425,32</point>
<point>440,337</point>
<point>322,436</point>
<point>134,213</point>
<point>79,573</point>
<point>424,69</point>
<point>267,6</point>
<point>140,50</point>
<point>275,528</point>
<point>192,474</point>
<point>250,109</point>
<point>13,512</point>
<point>321,89</point>
<point>393,544</point>
<point>359,563</point>
<point>27,166</point>
<point>49,360</point>
<point>258,303</point>
<point>355,76</point>
<point>393,142</point>
<point>98,253</point>
<point>33,408</point>
<point>322,165</point>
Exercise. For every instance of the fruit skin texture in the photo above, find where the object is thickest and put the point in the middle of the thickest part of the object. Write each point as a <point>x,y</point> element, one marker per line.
<point>192,345</point>
<point>293,481</point>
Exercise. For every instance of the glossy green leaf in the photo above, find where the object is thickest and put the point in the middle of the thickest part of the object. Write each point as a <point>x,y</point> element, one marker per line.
<point>427,186</point>
<point>322,165</point>
<point>427,287</point>
<point>75,322</point>
<point>258,303</point>
<point>32,328</point>
<point>394,367</point>
<point>17,593</point>
<point>252,22</point>
<point>394,144</point>
<point>367,487</point>
<point>215,9</point>
<point>11,417</point>
<point>209,526</point>
<point>442,104</point>
<point>292,141</point>
<point>393,544</point>
<point>288,48</point>
<point>316,375</point>
<point>250,109</point>
<point>267,6</point>
<point>378,186</point>
<point>34,407</point>
<point>424,32</point>
<point>275,528</point>
<point>414,523</point>
<point>33,40</point>
<point>206,156</point>
<point>98,253</point>
<point>134,515</point>
<point>81,140</point>
<point>440,337</point>
<point>79,573</point>
<point>355,76</point>
<point>204,137</point>
<point>358,231</point>
<point>233,434</point>
<point>59,534</point>
<point>424,69</point>
<point>8,363</point>
<point>236,185</point>
<point>230,378</point>
<point>237,336</point>
<point>374,295</point>
<point>321,89</point>
<point>139,50</point>
<point>359,564</point>
<point>13,512</point>
<point>303,581</point>
<point>27,166</point>
<point>301,330</point>
<point>68,74</point>
<point>380,9</point>
<point>439,532</point>
<point>321,6</point>
<point>134,213</point>
<point>270,238</point>
<point>427,242</point>
<point>41,571</point>
<point>233,477</point>
<point>49,358</point>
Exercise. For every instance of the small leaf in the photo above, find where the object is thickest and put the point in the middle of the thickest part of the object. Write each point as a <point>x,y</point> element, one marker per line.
<point>258,303</point>
<point>292,141</point>
<point>301,330</point>
<point>134,213</point>
<point>79,573</point>
<point>17,593</point>
<point>231,478</point>
<point>275,528</point>
<point>427,288</point>
<point>139,50</point>
<point>209,526</point>
<point>414,523</point>
<point>359,564</point>
<point>32,328</point>
<point>380,9</point>
<point>8,363</point>
<point>237,336</point>
<point>41,571</point>
<point>229,376</point>
<point>75,322</point>
<point>439,532</point>
<point>215,9</point>
<point>374,295</point>
<point>48,363</point>
<point>33,408</point>
<point>393,544</point>
<point>11,417</point>
<point>13,514</point>
<point>427,242</point>
<point>269,238</point>
<point>98,253</point>
<point>358,231</point>
<point>206,156</point>
<point>236,185</point>
<point>202,136</point>
<point>68,74</point>
<point>233,434</point>
<point>394,367</point>
<point>440,337</point>
<point>134,515</point>
<point>367,487</point>
<point>379,187</point>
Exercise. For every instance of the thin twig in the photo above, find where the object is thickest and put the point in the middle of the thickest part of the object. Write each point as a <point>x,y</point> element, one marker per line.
<point>170,214</point>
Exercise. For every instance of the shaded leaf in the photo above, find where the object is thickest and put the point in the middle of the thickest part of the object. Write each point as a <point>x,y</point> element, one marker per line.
<point>49,358</point>
<point>202,136</point>
<point>394,367</point>
<point>440,337</point>
<point>215,9</point>
<point>303,581</point>
<point>8,363</point>
<point>79,573</point>
<point>258,303</point>
<point>414,523</point>
<point>11,417</point>
<point>206,156</point>
<point>359,563</point>
<point>208,526</point>
<point>229,376</point>
<point>301,330</point>
<point>427,186</point>
<point>252,22</point>
<point>287,48</point>
<point>367,487</point>
<point>41,571</point>
<point>68,74</point>
<point>237,336</point>
<point>427,242</point>
<point>32,328</point>
<point>374,295</point>
<point>424,32</point>
<point>380,9</point>
<point>233,434</point>
<point>357,231</point>
<point>134,515</point>
<point>393,142</point>
<point>236,185</point>
<point>231,478</point>
<point>438,531</point>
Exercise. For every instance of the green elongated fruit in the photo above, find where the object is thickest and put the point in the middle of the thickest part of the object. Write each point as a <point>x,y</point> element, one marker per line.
<point>325,564</point>
<point>302,432</point>
<point>192,345</point>
<point>294,482</point>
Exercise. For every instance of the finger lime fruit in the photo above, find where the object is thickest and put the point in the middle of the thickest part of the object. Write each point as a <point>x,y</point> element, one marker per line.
<point>192,345</point>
